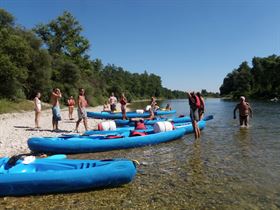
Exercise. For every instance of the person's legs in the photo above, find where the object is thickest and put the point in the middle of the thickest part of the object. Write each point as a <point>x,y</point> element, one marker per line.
<point>69,112</point>
<point>243,120</point>
<point>194,117</point>
<point>123,113</point>
<point>80,117</point>
<point>85,123</point>
<point>77,124</point>
<point>246,120</point>
<point>56,125</point>
<point>53,123</point>
<point>194,124</point>
<point>36,119</point>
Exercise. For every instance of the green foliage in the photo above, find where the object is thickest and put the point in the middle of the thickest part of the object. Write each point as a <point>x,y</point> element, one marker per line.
<point>7,106</point>
<point>260,81</point>
<point>6,19</point>
<point>62,36</point>
<point>55,55</point>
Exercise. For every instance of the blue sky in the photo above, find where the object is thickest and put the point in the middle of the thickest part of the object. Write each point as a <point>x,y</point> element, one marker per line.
<point>190,44</point>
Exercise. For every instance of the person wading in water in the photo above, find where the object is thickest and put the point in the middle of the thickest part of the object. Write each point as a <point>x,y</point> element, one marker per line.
<point>244,111</point>
<point>194,103</point>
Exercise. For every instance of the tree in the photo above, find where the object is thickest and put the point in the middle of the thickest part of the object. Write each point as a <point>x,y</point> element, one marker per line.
<point>63,36</point>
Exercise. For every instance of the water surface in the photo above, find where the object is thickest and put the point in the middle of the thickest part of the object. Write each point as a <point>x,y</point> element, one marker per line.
<point>227,168</point>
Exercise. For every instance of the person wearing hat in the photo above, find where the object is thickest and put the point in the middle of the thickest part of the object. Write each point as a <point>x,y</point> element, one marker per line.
<point>244,111</point>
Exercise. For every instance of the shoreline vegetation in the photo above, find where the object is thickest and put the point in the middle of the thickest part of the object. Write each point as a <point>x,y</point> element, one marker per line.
<point>55,55</point>
<point>261,81</point>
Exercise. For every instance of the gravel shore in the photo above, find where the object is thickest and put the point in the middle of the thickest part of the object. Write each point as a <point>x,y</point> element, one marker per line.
<point>16,128</point>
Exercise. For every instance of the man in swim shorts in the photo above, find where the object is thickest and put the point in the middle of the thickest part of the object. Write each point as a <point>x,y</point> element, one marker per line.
<point>113,102</point>
<point>56,95</point>
<point>244,111</point>
<point>82,114</point>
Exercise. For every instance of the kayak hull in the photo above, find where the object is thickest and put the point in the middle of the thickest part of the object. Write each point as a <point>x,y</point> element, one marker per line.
<point>84,144</point>
<point>118,115</point>
<point>53,176</point>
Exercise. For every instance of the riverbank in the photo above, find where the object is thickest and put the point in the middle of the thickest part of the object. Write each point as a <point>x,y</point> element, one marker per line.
<point>16,128</point>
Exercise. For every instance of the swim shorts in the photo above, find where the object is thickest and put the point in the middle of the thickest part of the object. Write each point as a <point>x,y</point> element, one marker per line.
<point>194,114</point>
<point>82,114</point>
<point>56,113</point>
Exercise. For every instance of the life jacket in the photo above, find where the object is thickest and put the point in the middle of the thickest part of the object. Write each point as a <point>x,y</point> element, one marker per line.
<point>140,125</point>
<point>137,133</point>
<point>194,102</point>
<point>197,101</point>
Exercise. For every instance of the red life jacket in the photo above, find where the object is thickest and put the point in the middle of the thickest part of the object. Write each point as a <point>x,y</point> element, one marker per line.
<point>197,102</point>
<point>137,133</point>
<point>140,126</point>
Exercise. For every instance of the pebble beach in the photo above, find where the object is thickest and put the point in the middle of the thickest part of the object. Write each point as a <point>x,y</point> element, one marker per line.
<point>16,128</point>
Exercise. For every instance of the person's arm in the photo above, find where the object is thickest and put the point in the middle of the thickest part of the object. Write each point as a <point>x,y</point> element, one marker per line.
<point>234,111</point>
<point>250,111</point>
<point>58,94</point>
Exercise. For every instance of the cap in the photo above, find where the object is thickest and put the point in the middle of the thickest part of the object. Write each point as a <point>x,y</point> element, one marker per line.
<point>242,98</point>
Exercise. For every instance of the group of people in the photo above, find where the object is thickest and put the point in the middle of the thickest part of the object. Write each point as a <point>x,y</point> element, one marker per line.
<point>56,114</point>
<point>111,104</point>
<point>196,103</point>
<point>197,109</point>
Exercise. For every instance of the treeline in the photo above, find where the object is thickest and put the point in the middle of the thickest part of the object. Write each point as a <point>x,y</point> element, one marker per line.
<point>56,55</point>
<point>262,80</point>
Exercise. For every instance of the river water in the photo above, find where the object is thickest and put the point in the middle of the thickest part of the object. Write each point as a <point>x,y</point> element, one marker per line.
<point>227,168</point>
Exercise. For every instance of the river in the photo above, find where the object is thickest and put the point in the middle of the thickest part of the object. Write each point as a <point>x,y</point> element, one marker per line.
<point>227,168</point>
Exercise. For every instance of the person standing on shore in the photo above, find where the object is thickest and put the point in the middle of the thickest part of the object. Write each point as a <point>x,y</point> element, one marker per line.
<point>201,109</point>
<point>106,107</point>
<point>71,104</point>
<point>123,102</point>
<point>244,111</point>
<point>56,95</point>
<point>82,114</point>
<point>194,105</point>
<point>37,109</point>
<point>153,102</point>
<point>113,102</point>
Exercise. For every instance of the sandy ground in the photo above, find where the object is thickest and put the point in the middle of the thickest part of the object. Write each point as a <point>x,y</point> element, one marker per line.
<point>16,128</point>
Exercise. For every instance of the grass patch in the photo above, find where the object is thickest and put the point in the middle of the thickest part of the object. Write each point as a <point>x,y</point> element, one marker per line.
<point>7,106</point>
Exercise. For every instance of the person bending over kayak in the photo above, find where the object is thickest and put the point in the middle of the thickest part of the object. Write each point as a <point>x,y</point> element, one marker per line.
<point>244,111</point>
<point>201,109</point>
<point>194,103</point>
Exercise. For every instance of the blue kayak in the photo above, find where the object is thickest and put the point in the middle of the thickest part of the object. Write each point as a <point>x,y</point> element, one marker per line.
<point>99,142</point>
<point>120,122</point>
<point>149,128</point>
<point>118,115</point>
<point>62,175</point>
